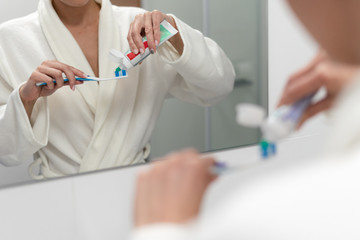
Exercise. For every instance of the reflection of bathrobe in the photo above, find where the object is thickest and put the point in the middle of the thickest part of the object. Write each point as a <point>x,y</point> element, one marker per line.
<point>309,199</point>
<point>105,125</point>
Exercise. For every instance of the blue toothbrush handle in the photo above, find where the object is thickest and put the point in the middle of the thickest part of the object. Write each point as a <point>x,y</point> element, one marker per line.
<point>66,80</point>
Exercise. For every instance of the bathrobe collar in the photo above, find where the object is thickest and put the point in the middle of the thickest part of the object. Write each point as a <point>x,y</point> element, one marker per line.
<point>67,50</point>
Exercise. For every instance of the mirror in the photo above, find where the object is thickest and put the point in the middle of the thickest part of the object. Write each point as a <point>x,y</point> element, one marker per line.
<point>240,28</point>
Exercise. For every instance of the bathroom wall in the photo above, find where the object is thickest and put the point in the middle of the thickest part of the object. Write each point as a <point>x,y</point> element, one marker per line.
<point>16,8</point>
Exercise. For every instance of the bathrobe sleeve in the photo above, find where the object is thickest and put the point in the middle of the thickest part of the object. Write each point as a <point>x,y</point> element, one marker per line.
<point>19,137</point>
<point>204,74</point>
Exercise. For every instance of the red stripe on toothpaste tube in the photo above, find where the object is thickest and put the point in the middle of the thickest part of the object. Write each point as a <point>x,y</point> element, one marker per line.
<point>129,59</point>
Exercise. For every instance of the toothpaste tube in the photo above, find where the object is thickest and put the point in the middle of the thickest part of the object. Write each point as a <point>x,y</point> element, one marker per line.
<point>129,59</point>
<point>284,120</point>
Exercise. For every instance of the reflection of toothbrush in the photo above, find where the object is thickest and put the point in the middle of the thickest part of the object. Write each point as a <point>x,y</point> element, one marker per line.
<point>124,75</point>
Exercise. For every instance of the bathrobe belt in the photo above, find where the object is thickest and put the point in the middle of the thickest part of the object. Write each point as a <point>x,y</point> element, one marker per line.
<point>39,169</point>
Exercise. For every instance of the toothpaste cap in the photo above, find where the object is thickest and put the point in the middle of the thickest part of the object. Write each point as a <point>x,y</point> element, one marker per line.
<point>120,58</point>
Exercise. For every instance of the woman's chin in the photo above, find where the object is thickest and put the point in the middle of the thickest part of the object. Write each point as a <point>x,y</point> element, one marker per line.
<point>74,3</point>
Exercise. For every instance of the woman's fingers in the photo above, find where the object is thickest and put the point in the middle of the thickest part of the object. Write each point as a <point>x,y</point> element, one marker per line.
<point>307,69</point>
<point>70,73</point>
<point>39,77</point>
<point>304,86</point>
<point>209,162</point>
<point>132,45</point>
<point>53,73</point>
<point>157,18</point>
<point>316,108</point>
<point>295,81</point>
<point>149,31</point>
<point>137,33</point>
<point>147,24</point>
<point>173,188</point>
<point>320,73</point>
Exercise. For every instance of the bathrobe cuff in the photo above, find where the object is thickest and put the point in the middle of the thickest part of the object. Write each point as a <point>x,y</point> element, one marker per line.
<point>36,131</point>
<point>19,138</point>
<point>162,232</point>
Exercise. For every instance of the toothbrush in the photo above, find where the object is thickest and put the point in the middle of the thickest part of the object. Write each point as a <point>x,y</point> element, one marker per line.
<point>221,168</point>
<point>96,79</point>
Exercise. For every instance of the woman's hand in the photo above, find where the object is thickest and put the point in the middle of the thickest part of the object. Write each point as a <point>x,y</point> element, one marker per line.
<point>148,24</point>
<point>172,190</point>
<point>47,72</point>
<point>321,72</point>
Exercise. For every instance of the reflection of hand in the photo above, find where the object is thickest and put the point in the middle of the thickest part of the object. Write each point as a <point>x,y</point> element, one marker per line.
<point>47,72</point>
<point>172,190</point>
<point>148,24</point>
<point>321,72</point>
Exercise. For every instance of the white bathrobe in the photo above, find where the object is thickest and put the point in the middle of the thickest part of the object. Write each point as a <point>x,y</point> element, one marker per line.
<point>99,125</point>
<point>312,199</point>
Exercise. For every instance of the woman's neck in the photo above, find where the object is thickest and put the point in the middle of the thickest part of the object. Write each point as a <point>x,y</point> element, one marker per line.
<point>77,16</point>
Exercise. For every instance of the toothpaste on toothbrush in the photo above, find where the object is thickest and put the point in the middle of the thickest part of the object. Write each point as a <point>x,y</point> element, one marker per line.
<point>129,59</point>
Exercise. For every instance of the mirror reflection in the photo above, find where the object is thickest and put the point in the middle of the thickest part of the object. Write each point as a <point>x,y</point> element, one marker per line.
<point>55,122</point>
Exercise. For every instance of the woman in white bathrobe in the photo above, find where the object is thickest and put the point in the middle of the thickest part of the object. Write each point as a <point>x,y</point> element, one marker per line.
<point>103,125</point>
